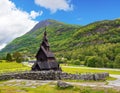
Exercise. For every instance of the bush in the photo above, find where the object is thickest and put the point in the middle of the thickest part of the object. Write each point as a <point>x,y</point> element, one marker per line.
<point>18,57</point>
<point>76,62</point>
<point>94,61</point>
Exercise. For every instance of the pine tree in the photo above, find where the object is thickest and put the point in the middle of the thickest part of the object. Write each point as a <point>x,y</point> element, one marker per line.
<point>8,57</point>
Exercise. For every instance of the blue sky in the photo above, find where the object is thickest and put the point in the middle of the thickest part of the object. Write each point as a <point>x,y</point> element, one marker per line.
<point>17,17</point>
<point>83,12</point>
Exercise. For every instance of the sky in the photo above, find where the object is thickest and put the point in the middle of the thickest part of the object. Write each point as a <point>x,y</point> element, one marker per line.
<point>19,16</point>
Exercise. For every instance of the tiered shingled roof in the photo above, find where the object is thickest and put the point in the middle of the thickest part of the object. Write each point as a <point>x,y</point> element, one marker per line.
<point>45,58</point>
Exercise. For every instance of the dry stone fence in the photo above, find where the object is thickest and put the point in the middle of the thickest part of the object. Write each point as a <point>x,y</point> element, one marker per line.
<point>53,75</point>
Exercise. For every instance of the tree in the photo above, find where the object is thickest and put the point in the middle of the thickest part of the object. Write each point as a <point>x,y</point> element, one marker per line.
<point>8,57</point>
<point>105,60</point>
<point>2,57</point>
<point>18,57</point>
<point>90,62</point>
<point>117,61</point>
<point>76,62</point>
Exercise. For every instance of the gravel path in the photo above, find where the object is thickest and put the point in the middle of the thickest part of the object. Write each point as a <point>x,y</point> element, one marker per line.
<point>115,83</point>
<point>35,83</point>
<point>25,83</point>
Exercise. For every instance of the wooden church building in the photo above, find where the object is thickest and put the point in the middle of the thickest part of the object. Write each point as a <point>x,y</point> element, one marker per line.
<point>45,58</point>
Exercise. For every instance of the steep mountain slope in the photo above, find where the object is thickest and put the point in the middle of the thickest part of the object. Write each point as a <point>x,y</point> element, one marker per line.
<point>58,33</point>
<point>99,33</point>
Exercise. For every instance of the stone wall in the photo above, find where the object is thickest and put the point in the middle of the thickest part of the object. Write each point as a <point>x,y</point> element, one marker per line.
<point>53,75</point>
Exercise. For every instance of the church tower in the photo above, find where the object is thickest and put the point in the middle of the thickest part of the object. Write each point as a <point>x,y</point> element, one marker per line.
<point>45,59</point>
<point>44,54</point>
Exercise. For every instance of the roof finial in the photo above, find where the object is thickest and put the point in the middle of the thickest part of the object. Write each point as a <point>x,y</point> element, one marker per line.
<point>45,33</point>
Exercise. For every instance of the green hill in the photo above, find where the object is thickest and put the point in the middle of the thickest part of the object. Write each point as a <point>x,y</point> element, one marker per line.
<point>96,44</point>
<point>58,34</point>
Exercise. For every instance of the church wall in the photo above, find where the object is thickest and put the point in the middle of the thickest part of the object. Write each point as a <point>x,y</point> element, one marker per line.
<point>41,56</point>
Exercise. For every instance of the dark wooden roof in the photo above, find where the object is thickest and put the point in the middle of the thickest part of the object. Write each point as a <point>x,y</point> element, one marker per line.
<point>46,66</point>
<point>45,47</point>
<point>47,53</point>
<point>45,58</point>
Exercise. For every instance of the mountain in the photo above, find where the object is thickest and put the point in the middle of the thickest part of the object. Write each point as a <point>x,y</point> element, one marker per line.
<point>58,33</point>
<point>44,23</point>
<point>96,44</point>
<point>107,31</point>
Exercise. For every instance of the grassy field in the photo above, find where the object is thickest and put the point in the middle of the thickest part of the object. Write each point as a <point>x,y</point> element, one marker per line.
<point>6,67</point>
<point>86,70</point>
<point>54,89</point>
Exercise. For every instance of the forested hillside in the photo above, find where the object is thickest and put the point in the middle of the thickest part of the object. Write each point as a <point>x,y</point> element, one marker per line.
<point>95,45</point>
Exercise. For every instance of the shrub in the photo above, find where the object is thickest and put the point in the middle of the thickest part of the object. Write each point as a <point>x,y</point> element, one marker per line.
<point>95,61</point>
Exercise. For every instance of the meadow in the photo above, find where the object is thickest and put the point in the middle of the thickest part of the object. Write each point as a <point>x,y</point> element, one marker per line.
<point>6,67</point>
<point>70,69</point>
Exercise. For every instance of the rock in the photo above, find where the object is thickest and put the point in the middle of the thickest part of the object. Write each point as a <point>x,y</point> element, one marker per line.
<point>96,77</point>
<point>62,84</point>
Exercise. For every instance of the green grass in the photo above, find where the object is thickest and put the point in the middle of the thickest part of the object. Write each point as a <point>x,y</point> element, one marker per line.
<point>110,78</point>
<point>54,89</point>
<point>86,70</point>
<point>6,67</point>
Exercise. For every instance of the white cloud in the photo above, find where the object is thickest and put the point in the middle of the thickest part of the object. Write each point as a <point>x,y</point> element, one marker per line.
<point>55,5</point>
<point>34,14</point>
<point>2,46</point>
<point>14,22</point>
